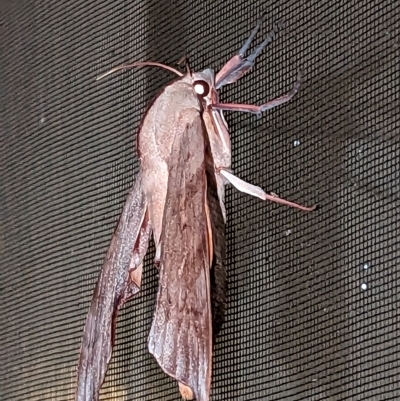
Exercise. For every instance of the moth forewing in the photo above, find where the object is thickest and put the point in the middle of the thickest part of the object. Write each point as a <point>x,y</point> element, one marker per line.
<point>181,333</point>
<point>118,281</point>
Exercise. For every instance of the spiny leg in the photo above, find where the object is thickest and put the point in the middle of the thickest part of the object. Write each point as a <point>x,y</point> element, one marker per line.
<point>237,66</point>
<point>253,33</point>
<point>250,189</point>
<point>250,108</point>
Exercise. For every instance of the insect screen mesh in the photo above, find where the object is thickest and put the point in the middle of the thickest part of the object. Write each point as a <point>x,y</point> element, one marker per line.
<point>313,298</point>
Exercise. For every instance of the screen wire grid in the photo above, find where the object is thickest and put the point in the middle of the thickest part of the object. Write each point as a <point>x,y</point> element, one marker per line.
<point>313,305</point>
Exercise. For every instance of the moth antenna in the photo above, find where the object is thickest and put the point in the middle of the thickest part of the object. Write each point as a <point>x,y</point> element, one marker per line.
<point>185,59</point>
<point>188,69</point>
<point>140,64</point>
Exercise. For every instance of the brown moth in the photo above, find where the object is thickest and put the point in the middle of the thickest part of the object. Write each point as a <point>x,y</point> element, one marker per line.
<point>185,157</point>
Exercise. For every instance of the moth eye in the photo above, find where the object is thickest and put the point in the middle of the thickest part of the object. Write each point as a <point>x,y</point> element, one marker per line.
<point>201,88</point>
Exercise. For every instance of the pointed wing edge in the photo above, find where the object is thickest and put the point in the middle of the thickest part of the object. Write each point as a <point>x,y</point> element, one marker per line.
<point>118,281</point>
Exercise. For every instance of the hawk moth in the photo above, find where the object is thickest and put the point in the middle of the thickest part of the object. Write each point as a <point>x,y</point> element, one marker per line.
<point>184,150</point>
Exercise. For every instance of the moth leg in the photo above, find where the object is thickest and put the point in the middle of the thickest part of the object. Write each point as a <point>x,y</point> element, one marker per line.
<point>250,108</point>
<point>237,66</point>
<point>250,189</point>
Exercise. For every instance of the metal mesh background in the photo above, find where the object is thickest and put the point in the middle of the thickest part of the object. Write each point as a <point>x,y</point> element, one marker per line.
<point>313,298</point>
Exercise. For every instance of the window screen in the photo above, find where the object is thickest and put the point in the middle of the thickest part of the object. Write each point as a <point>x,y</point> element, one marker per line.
<point>313,305</point>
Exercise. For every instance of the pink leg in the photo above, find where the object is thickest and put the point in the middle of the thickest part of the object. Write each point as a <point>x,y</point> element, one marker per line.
<point>250,108</point>
<point>237,66</point>
<point>250,189</point>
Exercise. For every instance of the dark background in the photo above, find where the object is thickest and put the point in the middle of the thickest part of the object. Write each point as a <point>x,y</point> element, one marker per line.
<point>299,325</point>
